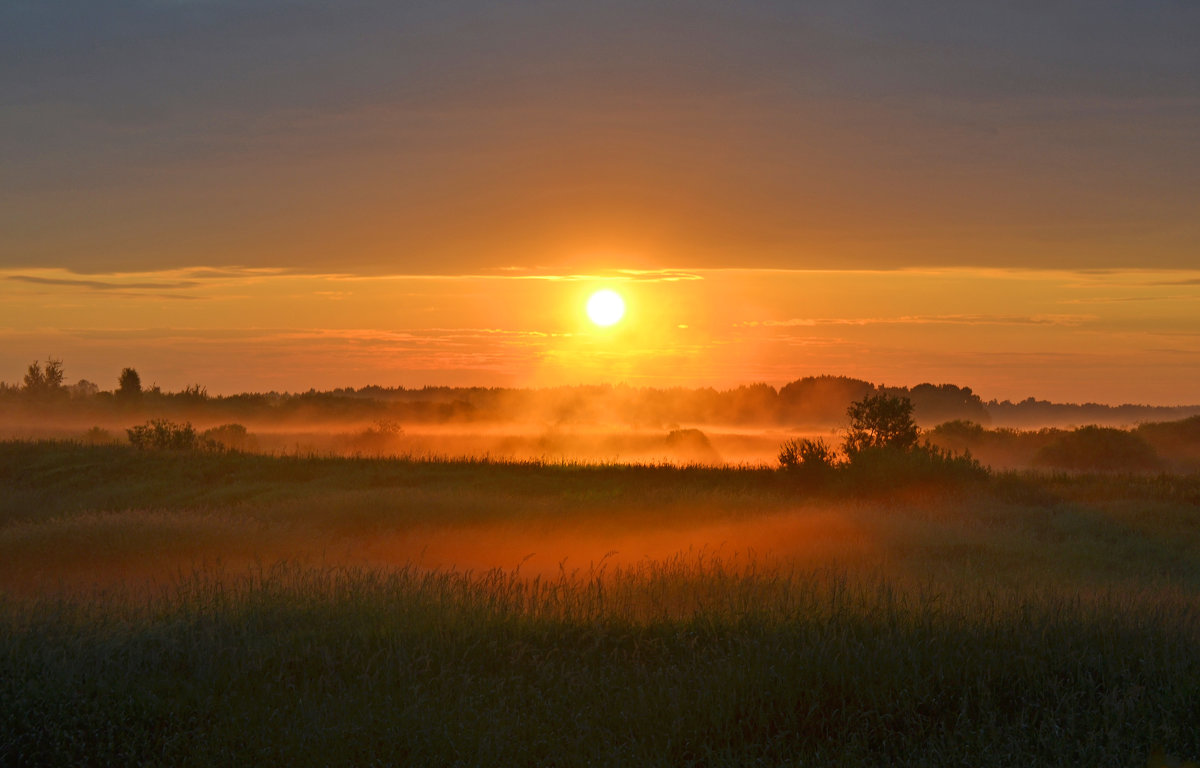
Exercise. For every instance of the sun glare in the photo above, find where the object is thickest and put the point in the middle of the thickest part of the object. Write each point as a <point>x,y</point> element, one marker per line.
<point>605,307</point>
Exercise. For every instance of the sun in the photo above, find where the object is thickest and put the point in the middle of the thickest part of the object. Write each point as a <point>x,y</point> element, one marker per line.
<point>605,307</point>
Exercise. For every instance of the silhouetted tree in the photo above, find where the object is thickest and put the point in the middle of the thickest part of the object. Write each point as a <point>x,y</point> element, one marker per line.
<point>129,386</point>
<point>83,389</point>
<point>880,421</point>
<point>935,404</point>
<point>753,403</point>
<point>54,374</point>
<point>40,382</point>
<point>35,380</point>
<point>820,399</point>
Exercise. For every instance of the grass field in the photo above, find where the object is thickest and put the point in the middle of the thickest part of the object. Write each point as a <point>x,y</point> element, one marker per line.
<point>203,609</point>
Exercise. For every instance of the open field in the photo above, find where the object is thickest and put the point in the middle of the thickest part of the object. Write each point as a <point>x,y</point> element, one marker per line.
<point>229,608</point>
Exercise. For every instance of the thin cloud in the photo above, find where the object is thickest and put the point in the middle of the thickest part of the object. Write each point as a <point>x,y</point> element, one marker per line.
<point>165,296</point>
<point>659,275</point>
<point>1126,299</point>
<point>100,285</point>
<point>629,275</point>
<point>1190,281</point>
<point>809,322</point>
<point>220,273</point>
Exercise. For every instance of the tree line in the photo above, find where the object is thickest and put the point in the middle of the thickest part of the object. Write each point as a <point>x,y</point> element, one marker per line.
<point>45,383</point>
<point>815,401</point>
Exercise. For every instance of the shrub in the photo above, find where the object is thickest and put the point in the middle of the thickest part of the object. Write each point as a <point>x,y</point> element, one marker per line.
<point>1101,449</point>
<point>378,439</point>
<point>692,445</point>
<point>98,436</point>
<point>808,455</point>
<point>229,437</point>
<point>160,434</point>
<point>1179,439</point>
<point>924,463</point>
<point>958,433</point>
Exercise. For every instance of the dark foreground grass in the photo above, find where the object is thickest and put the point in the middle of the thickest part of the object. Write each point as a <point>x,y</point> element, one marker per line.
<point>678,663</point>
<point>1021,620</point>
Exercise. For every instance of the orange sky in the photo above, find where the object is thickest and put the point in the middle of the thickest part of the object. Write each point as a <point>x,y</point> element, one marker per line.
<point>285,194</point>
<point>1118,336</point>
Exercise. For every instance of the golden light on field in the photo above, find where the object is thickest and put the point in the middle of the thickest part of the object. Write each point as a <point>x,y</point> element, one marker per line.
<point>605,307</point>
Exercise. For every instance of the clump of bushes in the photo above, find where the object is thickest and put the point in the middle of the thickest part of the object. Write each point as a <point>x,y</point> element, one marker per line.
<point>691,445</point>
<point>161,434</point>
<point>1154,447</point>
<point>379,439</point>
<point>1003,447</point>
<point>958,434</point>
<point>921,463</point>
<point>1101,449</point>
<point>98,436</point>
<point>882,445</point>
<point>229,437</point>
<point>165,435</point>
<point>803,454</point>
<point>1179,440</point>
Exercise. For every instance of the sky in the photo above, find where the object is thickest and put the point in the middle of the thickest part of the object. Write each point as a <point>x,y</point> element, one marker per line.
<point>283,194</point>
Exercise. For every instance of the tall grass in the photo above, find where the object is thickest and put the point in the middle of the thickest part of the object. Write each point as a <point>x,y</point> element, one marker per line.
<point>1025,620</point>
<point>684,662</point>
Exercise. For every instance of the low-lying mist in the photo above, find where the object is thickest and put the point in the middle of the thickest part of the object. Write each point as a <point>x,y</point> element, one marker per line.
<point>592,443</point>
<point>606,424</point>
<point>1148,447</point>
<point>74,517</point>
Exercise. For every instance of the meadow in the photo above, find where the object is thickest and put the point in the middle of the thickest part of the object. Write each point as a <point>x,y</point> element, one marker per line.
<point>172,608</point>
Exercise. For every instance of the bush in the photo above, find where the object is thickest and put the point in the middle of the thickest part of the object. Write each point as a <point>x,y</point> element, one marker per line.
<point>958,434</point>
<point>923,463</point>
<point>691,445</point>
<point>98,436</point>
<point>1099,449</point>
<point>1177,439</point>
<point>379,439</point>
<point>160,434</point>
<point>229,437</point>
<point>807,455</point>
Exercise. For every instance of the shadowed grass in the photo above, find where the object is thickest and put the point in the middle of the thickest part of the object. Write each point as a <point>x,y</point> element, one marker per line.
<point>1026,620</point>
<point>674,663</point>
